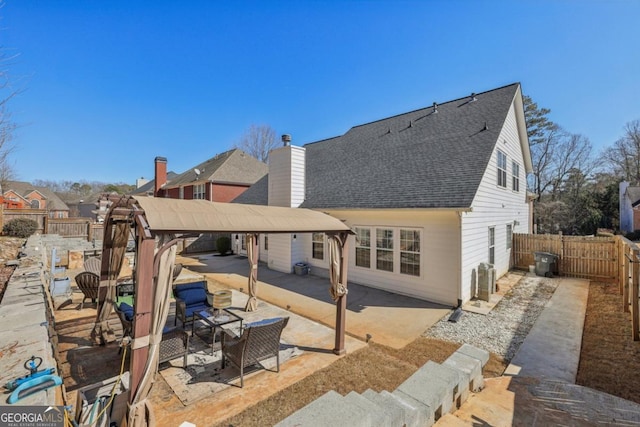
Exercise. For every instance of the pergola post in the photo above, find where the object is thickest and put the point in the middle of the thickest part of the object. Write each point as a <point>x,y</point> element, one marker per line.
<point>142,303</point>
<point>341,302</point>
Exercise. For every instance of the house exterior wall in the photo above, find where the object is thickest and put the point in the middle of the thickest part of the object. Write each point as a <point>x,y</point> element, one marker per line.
<point>286,188</point>
<point>494,206</point>
<point>626,210</point>
<point>636,219</point>
<point>226,192</point>
<point>439,252</point>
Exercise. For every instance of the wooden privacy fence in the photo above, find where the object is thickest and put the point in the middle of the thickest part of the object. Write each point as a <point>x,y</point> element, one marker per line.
<point>604,259</point>
<point>594,258</point>
<point>73,227</point>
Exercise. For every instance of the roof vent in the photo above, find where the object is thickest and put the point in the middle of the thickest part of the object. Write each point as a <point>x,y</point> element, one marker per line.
<point>389,131</point>
<point>485,126</point>
<point>286,139</point>
<point>473,97</point>
<point>435,108</point>
<point>410,123</point>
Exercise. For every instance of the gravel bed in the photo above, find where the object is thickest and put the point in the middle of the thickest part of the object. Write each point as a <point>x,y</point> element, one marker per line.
<point>503,330</point>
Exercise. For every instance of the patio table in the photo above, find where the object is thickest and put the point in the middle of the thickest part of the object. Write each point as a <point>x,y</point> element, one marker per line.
<point>213,319</point>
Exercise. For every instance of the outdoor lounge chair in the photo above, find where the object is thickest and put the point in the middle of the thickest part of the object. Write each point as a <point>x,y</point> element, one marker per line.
<point>88,283</point>
<point>259,341</point>
<point>190,297</point>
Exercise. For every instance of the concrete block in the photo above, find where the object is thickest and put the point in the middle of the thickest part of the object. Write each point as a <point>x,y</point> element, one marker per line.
<point>470,368</point>
<point>377,415</point>
<point>328,410</point>
<point>433,386</point>
<point>424,414</point>
<point>398,413</point>
<point>475,352</point>
<point>460,384</point>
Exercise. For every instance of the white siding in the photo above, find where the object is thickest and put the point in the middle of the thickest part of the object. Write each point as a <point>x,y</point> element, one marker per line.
<point>286,188</point>
<point>279,256</point>
<point>439,253</point>
<point>287,176</point>
<point>494,206</point>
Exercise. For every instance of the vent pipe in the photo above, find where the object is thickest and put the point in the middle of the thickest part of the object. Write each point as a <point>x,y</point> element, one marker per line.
<point>286,139</point>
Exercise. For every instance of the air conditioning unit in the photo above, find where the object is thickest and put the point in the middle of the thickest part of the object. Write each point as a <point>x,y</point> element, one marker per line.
<point>486,281</point>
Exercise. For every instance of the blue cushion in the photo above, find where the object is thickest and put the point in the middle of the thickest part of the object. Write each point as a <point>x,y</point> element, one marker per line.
<point>263,322</point>
<point>192,293</point>
<point>195,307</point>
<point>127,310</point>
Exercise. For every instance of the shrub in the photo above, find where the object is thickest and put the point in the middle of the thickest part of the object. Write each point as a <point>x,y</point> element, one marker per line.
<point>223,245</point>
<point>20,227</point>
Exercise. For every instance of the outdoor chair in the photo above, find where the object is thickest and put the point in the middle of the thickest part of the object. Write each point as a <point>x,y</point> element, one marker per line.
<point>258,341</point>
<point>88,283</point>
<point>175,341</point>
<point>190,297</point>
<point>93,265</point>
<point>177,268</point>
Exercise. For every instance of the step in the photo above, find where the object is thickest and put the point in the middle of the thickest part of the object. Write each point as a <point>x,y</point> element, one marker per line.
<point>434,386</point>
<point>397,413</point>
<point>330,409</point>
<point>471,370</point>
<point>377,415</point>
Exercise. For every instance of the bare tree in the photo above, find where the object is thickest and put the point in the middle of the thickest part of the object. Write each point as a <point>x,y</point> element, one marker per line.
<point>7,125</point>
<point>624,156</point>
<point>258,140</point>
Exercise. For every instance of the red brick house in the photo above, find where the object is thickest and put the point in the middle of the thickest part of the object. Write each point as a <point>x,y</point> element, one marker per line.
<point>22,195</point>
<point>220,179</point>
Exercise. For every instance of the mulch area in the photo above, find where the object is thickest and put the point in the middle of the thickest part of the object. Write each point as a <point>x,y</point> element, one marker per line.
<point>610,359</point>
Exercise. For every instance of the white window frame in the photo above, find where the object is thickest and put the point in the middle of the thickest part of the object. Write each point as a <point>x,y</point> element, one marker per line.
<point>317,246</point>
<point>363,245</point>
<point>199,192</point>
<point>509,236</point>
<point>181,192</point>
<point>515,176</point>
<point>502,169</point>
<point>266,242</point>
<point>385,245</point>
<point>492,245</point>
<point>410,248</point>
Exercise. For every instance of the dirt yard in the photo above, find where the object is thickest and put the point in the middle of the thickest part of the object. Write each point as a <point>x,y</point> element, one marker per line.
<point>608,352</point>
<point>608,362</point>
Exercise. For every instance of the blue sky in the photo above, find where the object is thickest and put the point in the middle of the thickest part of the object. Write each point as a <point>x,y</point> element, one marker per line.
<point>110,85</point>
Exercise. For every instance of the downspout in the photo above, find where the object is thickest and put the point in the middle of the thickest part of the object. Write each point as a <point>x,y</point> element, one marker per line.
<point>457,313</point>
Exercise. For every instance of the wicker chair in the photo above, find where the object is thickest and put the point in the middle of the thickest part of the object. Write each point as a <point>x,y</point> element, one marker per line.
<point>89,284</point>
<point>259,341</point>
<point>175,341</point>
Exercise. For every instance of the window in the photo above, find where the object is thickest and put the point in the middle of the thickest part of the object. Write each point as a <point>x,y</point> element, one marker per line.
<point>181,193</point>
<point>244,243</point>
<point>266,242</point>
<point>384,249</point>
<point>35,204</point>
<point>492,245</point>
<point>509,235</point>
<point>198,191</point>
<point>502,169</point>
<point>363,247</point>
<point>515,179</point>
<point>317,245</point>
<point>410,252</point>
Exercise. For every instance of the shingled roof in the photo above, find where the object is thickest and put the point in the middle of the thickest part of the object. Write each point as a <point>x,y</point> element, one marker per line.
<point>420,159</point>
<point>231,167</point>
<point>24,188</point>
<point>150,186</point>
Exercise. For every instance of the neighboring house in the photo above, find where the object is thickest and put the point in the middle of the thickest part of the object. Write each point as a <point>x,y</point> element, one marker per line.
<point>629,207</point>
<point>431,194</point>
<point>220,179</point>
<point>148,187</point>
<point>23,195</point>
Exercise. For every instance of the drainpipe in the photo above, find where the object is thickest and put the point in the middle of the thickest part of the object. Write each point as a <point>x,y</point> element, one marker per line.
<point>457,313</point>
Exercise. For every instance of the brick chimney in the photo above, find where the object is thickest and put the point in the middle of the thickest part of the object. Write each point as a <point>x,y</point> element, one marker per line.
<point>160,174</point>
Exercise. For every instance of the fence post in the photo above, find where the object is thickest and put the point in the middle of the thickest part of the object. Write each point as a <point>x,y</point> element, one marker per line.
<point>628,275</point>
<point>635,321</point>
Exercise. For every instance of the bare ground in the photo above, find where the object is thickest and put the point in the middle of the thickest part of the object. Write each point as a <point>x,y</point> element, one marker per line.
<point>608,362</point>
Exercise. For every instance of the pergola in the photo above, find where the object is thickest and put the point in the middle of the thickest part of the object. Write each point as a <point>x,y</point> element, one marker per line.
<point>156,222</point>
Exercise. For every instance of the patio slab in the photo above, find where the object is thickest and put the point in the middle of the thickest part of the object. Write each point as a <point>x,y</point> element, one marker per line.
<point>385,318</point>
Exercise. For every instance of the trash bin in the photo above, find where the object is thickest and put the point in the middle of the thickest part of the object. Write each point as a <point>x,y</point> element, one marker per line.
<point>301,268</point>
<point>546,264</point>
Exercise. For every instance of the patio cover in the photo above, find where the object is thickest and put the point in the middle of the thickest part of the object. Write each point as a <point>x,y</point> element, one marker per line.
<point>183,216</point>
<point>157,217</point>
